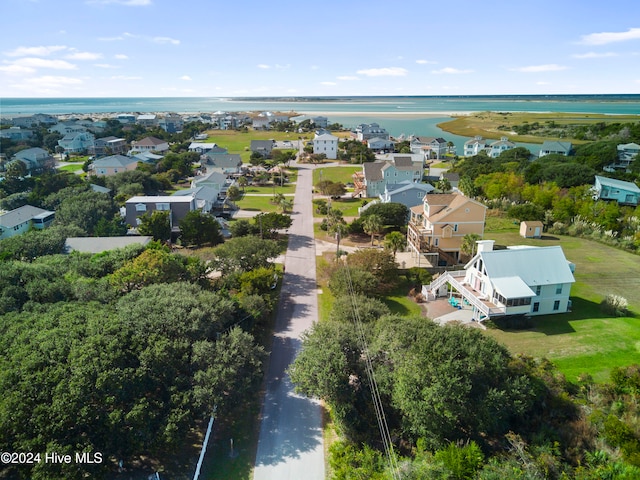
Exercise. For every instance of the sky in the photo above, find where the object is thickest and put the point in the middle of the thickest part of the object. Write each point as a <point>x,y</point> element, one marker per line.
<point>210,48</point>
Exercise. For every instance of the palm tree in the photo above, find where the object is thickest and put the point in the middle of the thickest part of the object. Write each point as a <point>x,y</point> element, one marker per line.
<point>372,224</point>
<point>242,182</point>
<point>469,244</point>
<point>395,241</point>
<point>444,185</point>
<point>286,205</point>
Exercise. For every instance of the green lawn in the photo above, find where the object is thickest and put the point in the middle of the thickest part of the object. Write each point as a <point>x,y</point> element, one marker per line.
<point>260,204</point>
<point>348,206</point>
<point>70,168</point>
<point>585,340</point>
<point>336,174</point>
<point>239,142</point>
<point>268,189</point>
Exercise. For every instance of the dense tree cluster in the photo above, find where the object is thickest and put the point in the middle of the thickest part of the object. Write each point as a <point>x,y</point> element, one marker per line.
<point>122,352</point>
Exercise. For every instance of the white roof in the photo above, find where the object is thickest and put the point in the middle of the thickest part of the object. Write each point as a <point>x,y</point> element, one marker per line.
<point>533,265</point>
<point>621,184</point>
<point>326,136</point>
<point>160,199</point>
<point>512,287</point>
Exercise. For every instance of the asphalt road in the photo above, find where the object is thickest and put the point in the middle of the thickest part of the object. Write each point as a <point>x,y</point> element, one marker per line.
<point>290,446</point>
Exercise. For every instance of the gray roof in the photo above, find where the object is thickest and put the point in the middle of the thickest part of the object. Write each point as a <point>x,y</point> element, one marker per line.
<point>213,177</point>
<point>534,265</point>
<point>102,244</point>
<point>395,188</point>
<point>373,171</point>
<point>21,215</point>
<point>99,188</point>
<point>403,162</point>
<point>622,185</point>
<point>114,161</point>
<point>554,146</point>
<point>229,160</point>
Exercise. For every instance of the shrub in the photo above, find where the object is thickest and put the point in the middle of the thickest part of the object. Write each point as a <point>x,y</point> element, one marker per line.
<point>615,305</point>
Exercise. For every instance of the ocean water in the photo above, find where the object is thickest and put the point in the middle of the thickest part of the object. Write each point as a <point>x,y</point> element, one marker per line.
<point>399,115</point>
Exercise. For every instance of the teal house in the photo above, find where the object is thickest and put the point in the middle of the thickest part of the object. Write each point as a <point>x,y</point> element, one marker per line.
<point>625,193</point>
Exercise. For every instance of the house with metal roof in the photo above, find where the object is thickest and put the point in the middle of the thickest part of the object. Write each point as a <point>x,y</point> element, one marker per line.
<point>625,193</point>
<point>36,159</point>
<point>394,168</point>
<point>560,148</point>
<point>407,193</point>
<point>229,163</point>
<point>21,219</point>
<point>151,144</point>
<point>519,280</point>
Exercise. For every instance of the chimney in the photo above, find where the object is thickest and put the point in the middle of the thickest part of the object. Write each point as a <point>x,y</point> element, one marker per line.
<point>485,245</point>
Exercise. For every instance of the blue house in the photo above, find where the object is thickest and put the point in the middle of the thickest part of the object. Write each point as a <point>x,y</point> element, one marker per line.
<point>408,193</point>
<point>626,193</point>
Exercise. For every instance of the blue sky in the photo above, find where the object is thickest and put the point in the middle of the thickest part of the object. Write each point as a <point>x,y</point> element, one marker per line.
<point>122,48</point>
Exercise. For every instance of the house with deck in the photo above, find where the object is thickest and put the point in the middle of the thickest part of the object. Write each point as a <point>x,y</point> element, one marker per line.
<point>367,131</point>
<point>625,193</point>
<point>79,142</point>
<point>430,147</point>
<point>36,159</point>
<point>496,148</point>
<point>474,146</point>
<point>438,225</point>
<point>519,280</point>
<point>398,168</point>
<point>178,206</point>
<point>626,154</point>
<point>109,166</point>
<point>407,193</point>
<point>150,144</point>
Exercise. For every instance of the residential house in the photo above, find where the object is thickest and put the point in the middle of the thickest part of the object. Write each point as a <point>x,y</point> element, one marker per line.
<point>171,123</point>
<point>109,166</point>
<point>228,163</point>
<point>216,180</point>
<point>103,244</point>
<point>126,118</point>
<point>264,120</point>
<point>625,193</point>
<point>148,120</point>
<point>502,145</point>
<point>16,133</point>
<point>430,147</point>
<point>206,197</point>
<point>109,146</point>
<point>394,168</point>
<point>380,144</point>
<point>627,153</point>
<point>147,157</point>
<point>79,142</point>
<point>474,146</point>
<point>520,280</point>
<point>438,225</point>
<point>531,229</point>
<point>367,131</point>
<point>35,159</point>
<point>34,120</point>
<point>452,177</point>
<point>178,206</point>
<point>560,148</point>
<point>65,128</point>
<point>327,144</point>
<point>21,219</point>
<point>228,121</point>
<point>149,144</point>
<point>320,121</point>
<point>207,147</point>
<point>407,193</point>
<point>263,147</point>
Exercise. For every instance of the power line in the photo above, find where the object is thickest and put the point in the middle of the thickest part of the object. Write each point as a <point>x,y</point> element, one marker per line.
<point>375,393</point>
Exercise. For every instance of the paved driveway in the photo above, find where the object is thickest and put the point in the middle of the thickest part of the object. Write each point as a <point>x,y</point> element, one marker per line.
<point>290,446</point>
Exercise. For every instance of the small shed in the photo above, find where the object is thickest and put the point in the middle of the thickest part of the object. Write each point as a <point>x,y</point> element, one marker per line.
<point>531,229</point>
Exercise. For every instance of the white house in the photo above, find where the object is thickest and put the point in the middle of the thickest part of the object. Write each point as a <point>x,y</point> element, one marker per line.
<point>474,146</point>
<point>327,144</point>
<point>366,131</point>
<point>502,145</point>
<point>520,280</point>
<point>150,144</point>
<point>22,219</point>
<point>430,147</point>
<point>78,142</point>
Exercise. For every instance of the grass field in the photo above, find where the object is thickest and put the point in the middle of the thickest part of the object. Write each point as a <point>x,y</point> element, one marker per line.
<point>349,207</point>
<point>336,174</point>
<point>486,124</point>
<point>239,142</point>
<point>255,203</point>
<point>584,340</point>
<point>71,168</point>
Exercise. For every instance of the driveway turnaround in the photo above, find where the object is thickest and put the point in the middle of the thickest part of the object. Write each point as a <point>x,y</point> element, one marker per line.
<point>290,446</point>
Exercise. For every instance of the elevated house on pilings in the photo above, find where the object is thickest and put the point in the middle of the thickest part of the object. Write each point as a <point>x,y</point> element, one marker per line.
<point>519,280</point>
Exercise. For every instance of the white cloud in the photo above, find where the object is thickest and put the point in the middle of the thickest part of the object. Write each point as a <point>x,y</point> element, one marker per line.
<point>83,56</point>
<point>550,67</point>
<point>41,51</point>
<point>384,72</point>
<point>185,77</point>
<point>125,77</point>
<point>106,65</point>
<point>14,69</point>
<point>603,38</point>
<point>347,77</point>
<point>594,55</point>
<point>51,81</point>
<point>329,84</point>
<point>165,40</point>
<point>34,62</point>
<point>451,71</point>
<point>543,83</point>
<point>264,66</point>
<point>425,62</point>
<point>121,56</point>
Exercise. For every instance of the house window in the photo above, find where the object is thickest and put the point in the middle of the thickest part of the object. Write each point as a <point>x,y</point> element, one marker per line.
<point>437,242</point>
<point>536,306</point>
<point>556,305</point>
<point>141,207</point>
<point>455,227</point>
<point>162,206</point>
<point>538,290</point>
<point>558,289</point>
